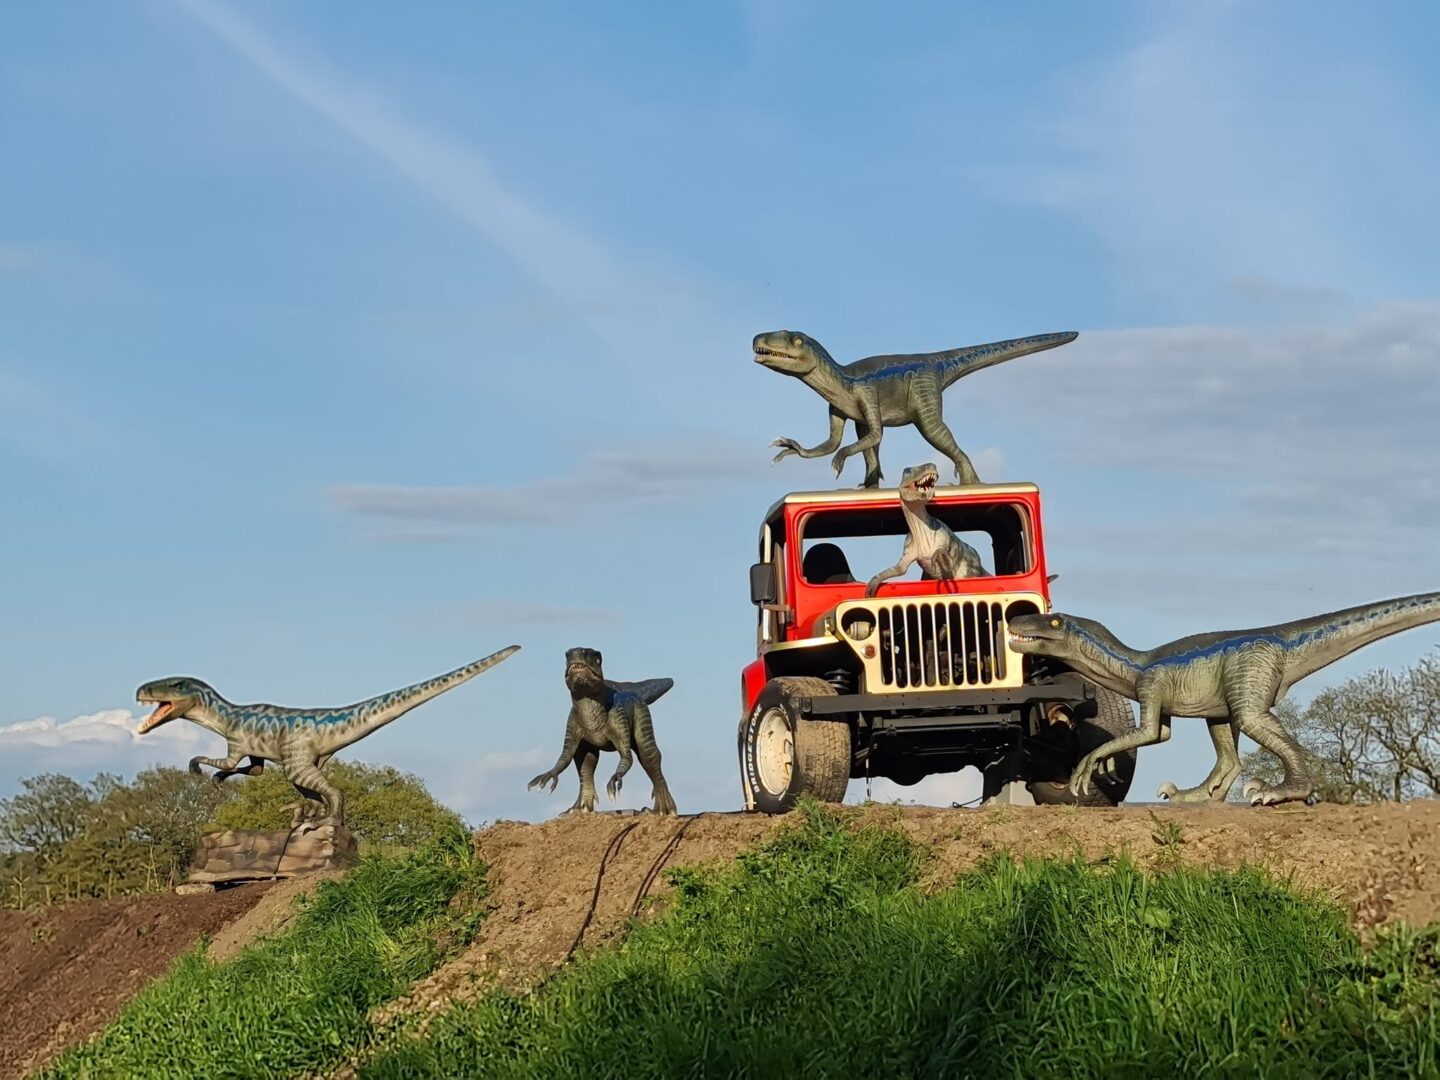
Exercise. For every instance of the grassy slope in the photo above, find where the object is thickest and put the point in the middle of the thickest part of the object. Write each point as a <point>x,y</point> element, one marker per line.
<point>299,1001</point>
<point>816,956</point>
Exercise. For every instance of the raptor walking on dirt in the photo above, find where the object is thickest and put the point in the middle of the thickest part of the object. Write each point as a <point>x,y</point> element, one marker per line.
<point>300,741</point>
<point>942,555</point>
<point>1231,679</point>
<point>886,391</point>
<point>607,715</point>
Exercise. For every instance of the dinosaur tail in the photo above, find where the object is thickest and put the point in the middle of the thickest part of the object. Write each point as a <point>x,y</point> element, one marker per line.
<point>958,363</point>
<point>379,711</point>
<point>1321,641</point>
<point>652,690</point>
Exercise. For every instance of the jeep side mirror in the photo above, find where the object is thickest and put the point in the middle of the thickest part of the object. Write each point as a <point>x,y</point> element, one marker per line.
<point>762,584</point>
<point>1052,577</point>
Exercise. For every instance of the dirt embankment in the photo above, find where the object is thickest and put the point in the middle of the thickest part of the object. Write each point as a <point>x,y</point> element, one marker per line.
<point>1382,863</point>
<point>67,971</point>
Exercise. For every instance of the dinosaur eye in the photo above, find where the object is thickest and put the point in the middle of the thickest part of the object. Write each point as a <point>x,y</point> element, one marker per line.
<point>1055,623</point>
<point>796,342</point>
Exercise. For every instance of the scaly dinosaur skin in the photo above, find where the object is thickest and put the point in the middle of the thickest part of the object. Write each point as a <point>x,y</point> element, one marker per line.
<point>1231,679</point>
<point>885,391</point>
<point>300,741</point>
<point>942,555</point>
<point>608,715</point>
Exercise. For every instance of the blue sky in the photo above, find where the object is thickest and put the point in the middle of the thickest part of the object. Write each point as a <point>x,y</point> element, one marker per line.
<point>338,351</point>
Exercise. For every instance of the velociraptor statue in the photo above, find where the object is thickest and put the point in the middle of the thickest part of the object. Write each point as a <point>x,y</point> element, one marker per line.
<point>942,555</point>
<point>1231,679</point>
<point>607,715</point>
<point>886,391</point>
<point>300,741</point>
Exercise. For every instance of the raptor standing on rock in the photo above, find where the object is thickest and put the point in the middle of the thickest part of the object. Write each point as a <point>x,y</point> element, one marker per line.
<point>300,741</point>
<point>1232,679</point>
<point>942,555</point>
<point>885,391</point>
<point>608,715</point>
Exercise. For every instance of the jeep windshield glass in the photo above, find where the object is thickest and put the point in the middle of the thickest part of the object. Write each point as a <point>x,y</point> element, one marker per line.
<point>844,546</point>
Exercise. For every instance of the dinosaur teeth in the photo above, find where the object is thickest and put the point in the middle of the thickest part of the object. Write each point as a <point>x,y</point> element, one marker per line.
<point>162,711</point>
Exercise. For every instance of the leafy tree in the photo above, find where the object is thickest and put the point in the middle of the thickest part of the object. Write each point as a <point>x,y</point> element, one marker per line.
<point>51,811</point>
<point>1373,738</point>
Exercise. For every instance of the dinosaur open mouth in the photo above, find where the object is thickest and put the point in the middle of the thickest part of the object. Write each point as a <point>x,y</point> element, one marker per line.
<point>159,716</point>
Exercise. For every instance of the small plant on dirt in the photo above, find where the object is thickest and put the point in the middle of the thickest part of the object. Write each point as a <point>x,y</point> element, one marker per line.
<point>1169,836</point>
<point>299,1001</point>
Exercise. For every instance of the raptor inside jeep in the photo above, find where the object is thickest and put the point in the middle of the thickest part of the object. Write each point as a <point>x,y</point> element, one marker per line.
<point>920,678</point>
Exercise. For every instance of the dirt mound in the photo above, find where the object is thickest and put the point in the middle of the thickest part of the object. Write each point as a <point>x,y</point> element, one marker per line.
<point>66,971</point>
<point>1382,863</point>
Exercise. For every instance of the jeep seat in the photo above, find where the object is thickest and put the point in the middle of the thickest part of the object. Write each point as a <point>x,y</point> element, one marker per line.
<point>825,564</point>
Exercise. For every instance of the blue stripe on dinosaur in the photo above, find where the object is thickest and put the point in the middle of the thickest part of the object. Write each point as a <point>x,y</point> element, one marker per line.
<point>1240,641</point>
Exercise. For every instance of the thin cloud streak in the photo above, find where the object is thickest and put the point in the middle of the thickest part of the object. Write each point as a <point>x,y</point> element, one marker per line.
<point>638,475</point>
<point>564,260</point>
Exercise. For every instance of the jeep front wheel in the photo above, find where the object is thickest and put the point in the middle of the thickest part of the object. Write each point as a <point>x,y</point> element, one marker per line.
<point>1113,717</point>
<point>785,754</point>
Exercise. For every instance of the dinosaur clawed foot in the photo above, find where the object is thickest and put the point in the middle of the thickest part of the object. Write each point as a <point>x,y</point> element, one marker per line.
<point>612,789</point>
<point>838,462</point>
<point>1084,774</point>
<point>1209,791</point>
<point>664,804</point>
<point>1262,794</point>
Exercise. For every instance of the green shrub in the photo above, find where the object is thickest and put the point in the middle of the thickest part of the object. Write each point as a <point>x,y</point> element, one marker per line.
<point>299,1001</point>
<point>817,956</point>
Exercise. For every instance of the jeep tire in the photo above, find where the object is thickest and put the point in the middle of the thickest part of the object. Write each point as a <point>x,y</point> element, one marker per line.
<point>784,754</point>
<point>1113,716</point>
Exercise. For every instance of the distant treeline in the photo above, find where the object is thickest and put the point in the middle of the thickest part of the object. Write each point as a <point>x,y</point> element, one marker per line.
<point>64,840</point>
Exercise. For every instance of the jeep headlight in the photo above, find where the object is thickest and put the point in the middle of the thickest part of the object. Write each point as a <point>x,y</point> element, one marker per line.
<point>858,624</point>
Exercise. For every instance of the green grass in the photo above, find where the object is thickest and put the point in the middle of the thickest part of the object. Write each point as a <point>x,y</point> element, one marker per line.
<point>299,1001</point>
<point>817,956</point>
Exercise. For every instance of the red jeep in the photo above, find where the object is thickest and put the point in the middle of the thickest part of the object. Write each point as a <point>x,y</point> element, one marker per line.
<point>919,679</point>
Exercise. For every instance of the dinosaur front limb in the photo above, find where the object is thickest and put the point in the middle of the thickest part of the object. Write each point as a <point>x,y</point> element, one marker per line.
<point>1297,785</point>
<point>837,432</point>
<point>1154,728</point>
<point>223,766</point>
<point>1215,787</point>
<point>567,754</point>
<point>648,751</point>
<point>873,586</point>
<point>620,738</point>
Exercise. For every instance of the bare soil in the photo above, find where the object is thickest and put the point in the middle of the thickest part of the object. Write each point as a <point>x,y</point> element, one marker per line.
<point>65,972</point>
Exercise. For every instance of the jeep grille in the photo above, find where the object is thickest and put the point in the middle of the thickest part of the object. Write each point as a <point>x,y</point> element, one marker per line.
<point>918,643</point>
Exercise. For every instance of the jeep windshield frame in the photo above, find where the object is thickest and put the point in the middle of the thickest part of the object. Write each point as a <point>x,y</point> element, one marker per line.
<point>869,512</point>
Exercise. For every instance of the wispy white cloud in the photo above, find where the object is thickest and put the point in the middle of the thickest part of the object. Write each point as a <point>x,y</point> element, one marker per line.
<point>639,474</point>
<point>111,727</point>
<point>104,741</point>
<point>1220,139</point>
<point>563,258</point>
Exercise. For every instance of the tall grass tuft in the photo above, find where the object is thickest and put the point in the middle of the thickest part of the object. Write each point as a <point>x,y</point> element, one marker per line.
<point>299,1001</point>
<point>817,956</point>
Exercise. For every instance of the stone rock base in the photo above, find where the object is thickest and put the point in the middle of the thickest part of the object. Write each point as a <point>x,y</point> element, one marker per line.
<point>259,855</point>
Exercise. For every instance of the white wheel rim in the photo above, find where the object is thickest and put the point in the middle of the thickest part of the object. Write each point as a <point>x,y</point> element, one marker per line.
<point>774,752</point>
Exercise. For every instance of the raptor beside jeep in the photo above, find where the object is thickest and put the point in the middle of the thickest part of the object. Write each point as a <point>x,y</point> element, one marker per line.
<point>921,678</point>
